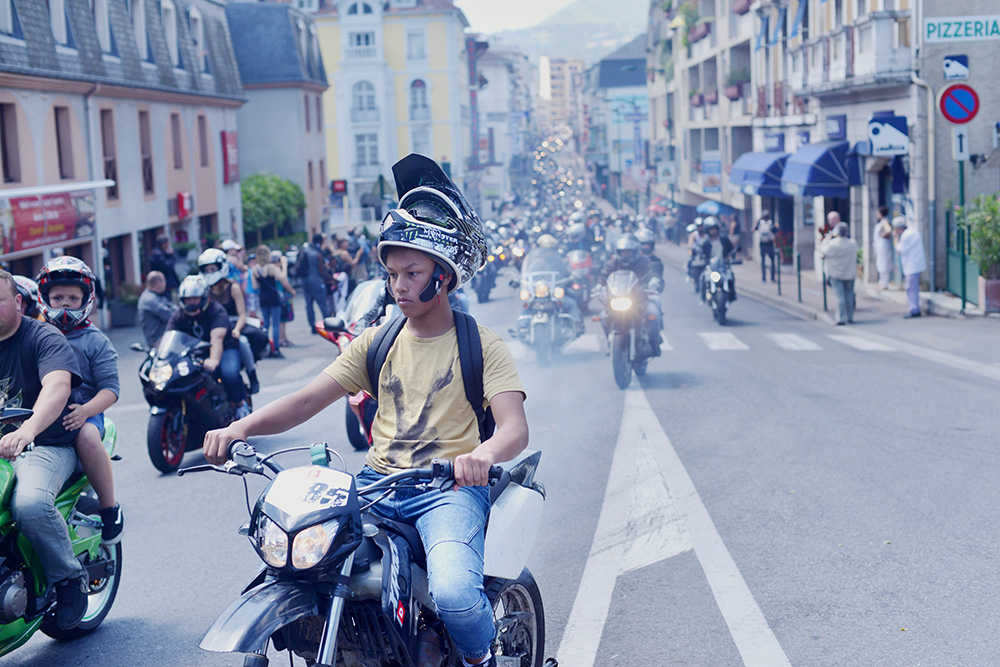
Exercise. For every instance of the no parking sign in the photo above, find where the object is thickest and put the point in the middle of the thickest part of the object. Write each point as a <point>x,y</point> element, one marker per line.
<point>959,103</point>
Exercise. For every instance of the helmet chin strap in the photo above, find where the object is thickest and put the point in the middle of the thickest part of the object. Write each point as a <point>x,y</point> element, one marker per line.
<point>434,285</point>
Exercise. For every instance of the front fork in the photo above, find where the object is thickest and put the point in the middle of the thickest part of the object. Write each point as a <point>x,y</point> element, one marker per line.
<point>328,644</point>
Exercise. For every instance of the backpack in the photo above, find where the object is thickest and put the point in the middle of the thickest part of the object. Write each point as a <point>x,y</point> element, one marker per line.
<point>470,357</point>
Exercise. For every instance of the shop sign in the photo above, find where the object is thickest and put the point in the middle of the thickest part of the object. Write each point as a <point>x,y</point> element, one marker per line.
<point>961,28</point>
<point>889,136</point>
<point>27,223</point>
<point>230,158</point>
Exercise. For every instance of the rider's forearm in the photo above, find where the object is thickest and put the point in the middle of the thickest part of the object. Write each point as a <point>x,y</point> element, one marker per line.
<point>507,442</point>
<point>104,399</point>
<point>49,405</point>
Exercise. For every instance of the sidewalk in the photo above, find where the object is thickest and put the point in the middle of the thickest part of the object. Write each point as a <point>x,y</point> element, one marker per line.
<point>870,304</point>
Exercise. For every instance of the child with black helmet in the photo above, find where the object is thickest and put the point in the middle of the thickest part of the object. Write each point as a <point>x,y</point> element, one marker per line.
<point>66,288</point>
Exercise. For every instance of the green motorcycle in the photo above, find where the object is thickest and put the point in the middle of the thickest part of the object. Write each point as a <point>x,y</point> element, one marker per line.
<point>27,601</point>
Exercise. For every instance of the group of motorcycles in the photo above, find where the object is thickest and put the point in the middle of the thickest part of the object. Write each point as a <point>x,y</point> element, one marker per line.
<point>712,279</point>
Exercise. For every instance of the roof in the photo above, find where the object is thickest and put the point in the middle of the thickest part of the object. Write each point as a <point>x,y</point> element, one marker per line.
<point>328,8</point>
<point>267,41</point>
<point>625,67</point>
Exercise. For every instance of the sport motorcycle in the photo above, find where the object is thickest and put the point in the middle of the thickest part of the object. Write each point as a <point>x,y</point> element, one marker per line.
<point>626,325</point>
<point>342,586</point>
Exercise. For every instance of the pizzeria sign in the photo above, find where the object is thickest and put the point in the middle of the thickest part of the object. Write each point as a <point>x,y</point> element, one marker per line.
<point>961,28</point>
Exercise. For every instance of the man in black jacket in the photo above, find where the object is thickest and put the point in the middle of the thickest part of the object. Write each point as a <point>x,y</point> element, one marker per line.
<point>312,269</point>
<point>162,259</point>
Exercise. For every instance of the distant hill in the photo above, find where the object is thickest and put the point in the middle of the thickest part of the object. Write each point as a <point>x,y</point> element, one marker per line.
<point>585,29</point>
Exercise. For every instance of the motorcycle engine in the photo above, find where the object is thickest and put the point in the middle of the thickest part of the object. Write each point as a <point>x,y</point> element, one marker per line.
<point>13,597</point>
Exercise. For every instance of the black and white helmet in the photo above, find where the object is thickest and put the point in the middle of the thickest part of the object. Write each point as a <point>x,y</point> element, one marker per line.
<point>193,287</point>
<point>30,298</point>
<point>66,270</point>
<point>433,217</point>
<point>213,257</point>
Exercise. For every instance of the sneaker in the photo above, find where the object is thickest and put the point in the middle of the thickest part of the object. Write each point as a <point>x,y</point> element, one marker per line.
<point>911,315</point>
<point>277,354</point>
<point>254,382</point>
<point>71,602</point>
<point>114,522</point>
<point>242,410</point>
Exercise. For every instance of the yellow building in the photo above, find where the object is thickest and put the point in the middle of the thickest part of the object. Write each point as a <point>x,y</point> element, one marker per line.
<point>399,83</point>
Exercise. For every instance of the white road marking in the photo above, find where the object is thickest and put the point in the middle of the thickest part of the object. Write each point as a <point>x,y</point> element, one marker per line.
<point>722,340</point>
<point>793,342</point>
<point>666,346</point>
<point>585,343</point>
<point>937,356</point>
<point>863,344</point>
<point>652,512</point>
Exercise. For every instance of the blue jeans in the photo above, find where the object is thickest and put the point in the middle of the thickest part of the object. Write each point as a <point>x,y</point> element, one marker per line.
<point>844,289</point>
<point>40,475</point>
<point>272,320</point>
<point>229,371</point>
<point>452,527</point>
<point>315,292</point>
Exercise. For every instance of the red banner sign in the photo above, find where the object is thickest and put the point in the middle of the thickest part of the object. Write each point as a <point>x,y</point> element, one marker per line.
<point>230,159</point>
<point>33,222</point>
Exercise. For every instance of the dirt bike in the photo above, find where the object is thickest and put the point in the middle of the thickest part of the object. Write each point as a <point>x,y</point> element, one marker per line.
<point>344,586</point>
<point>27,599</point>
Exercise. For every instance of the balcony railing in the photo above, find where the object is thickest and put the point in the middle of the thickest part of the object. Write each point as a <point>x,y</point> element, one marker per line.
<point>882,45</point>
<point>361,53</point>
<point>364,115</point>
<point>420,113</point>
<point>366,171</point>
<point>841,53</point>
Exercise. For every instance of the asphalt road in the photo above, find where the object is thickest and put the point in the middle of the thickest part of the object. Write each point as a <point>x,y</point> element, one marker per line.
<point>785,493</point>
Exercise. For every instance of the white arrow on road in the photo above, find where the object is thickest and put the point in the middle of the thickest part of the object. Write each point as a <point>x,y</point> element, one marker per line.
<point>652,512</point>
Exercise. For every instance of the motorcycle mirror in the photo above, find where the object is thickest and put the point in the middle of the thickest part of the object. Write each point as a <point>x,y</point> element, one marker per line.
<point>515,283</point>
<point>11,415</point>
<point>334,324</point>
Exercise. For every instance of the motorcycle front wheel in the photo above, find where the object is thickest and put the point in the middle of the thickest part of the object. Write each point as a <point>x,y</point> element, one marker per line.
<point>543,344</point>
<point>721,301</point>
<point>620,362</point>
<point>102,592</point>
<point>520,619</point>
<point>165,441</point>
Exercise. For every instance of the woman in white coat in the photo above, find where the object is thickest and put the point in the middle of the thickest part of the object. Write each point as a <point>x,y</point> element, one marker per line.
<point>910,247</point>
<point>882,240</point>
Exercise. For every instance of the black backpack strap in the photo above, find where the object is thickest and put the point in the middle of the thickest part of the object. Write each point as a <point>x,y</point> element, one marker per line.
<point>470,356</point>
<point>379,350</point>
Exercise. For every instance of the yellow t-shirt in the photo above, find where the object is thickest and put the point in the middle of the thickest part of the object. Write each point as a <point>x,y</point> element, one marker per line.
<point>422,409</point>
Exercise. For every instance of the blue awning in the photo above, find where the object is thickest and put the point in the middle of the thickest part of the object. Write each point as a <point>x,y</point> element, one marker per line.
<point>799,15</point>
<point>778,25</point>
<point>762,35</point>
<point>818,170</point>
<point>758,174</point>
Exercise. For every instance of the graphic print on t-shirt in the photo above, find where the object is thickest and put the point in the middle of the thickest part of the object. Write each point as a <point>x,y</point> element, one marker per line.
<point>5,400</point>
<point>418,431</point>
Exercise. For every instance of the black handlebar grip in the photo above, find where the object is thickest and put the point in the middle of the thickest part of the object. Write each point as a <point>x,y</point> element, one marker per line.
<point>495,473</point>
<point>232,448</point>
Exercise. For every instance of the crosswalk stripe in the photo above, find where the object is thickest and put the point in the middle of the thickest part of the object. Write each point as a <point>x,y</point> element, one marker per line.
<point>722,340</point>
<point>863,344</point>
<point>793,342</point>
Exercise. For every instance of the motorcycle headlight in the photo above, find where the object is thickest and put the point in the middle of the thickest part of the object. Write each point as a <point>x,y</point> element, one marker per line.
<point>525,295</point>
<point>311,544</point>
<point>621,303</point>
<point>541,290</point>
<point>518,252</point>
<point>490,258</point>
<point>715,276</point>
<point>272,542</point>
<point>160,375</point>
<point>559,292</point>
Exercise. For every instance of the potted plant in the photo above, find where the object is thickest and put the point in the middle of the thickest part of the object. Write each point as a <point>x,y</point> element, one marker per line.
<point>712,96</point>
<point>983,222</point>
<point>123,307</point>
<point>741,6</point>
<point>700,29</point>
<point>182,248</point>
<point>697,99</point>
<point>738,76</point>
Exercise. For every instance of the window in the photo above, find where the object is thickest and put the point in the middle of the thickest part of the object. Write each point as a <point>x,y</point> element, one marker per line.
<point>137,9</point>
<point>108,151</point>
<point>309,169</point>
<point>364,95</point>
<point>420,137</point>
<point>362,39</point>
<point>168,15</point>
<point>366,149</point>
<point>418,101</point>
<point>319,113</point>
<point>57,19</point>
<point>305,99</point>
<point>146,152</point>
<point>196,27</point>
<point>203,139</point>
<point>322,174</point>
<point>64,142</point>
<point>9,22</point>
<point>10,157</point>
<point>362,7</point>
<point>99,8</point>
<point>175,136</point>
<point>415,49</point>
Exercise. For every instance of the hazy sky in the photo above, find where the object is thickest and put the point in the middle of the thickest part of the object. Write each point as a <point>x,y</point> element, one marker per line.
<point>493,15</point>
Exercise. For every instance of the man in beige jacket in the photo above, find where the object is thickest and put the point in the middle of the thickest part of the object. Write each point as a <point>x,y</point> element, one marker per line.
<point>840,260</point>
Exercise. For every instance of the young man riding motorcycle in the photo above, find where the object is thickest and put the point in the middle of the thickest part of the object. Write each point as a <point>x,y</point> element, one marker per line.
<point>430,245</point>
<point>629,257</point>
<point>717,246</point>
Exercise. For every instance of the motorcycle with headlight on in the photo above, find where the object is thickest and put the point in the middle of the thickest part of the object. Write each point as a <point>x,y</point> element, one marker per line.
<point>626,324</point>
<point>185,400</point>
<point>717,286</point>
<point>544,325</point>
<point>343,586</point>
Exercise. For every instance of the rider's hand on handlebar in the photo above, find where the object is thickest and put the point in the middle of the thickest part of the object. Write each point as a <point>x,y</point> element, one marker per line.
<point>216,447</point>
<point>210,365</point>
<point>473,469</point>
<point>12,444</point>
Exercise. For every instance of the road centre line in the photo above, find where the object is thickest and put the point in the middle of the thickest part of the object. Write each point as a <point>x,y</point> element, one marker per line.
<point>652,512</point>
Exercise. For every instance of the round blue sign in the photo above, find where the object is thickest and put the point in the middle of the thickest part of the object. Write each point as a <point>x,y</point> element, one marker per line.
<point>959,103</point>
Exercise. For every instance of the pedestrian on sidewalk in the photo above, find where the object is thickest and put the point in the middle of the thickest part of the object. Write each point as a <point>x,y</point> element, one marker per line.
<point>883,247</point>
<point>766,232</point>
<point>910,246</point>
<point>840,263</point>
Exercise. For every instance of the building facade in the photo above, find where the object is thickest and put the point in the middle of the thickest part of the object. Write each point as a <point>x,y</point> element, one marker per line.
<point>143,94</point>
<point>281,126</point>
<point>400,84</point>
<point>559,80</point>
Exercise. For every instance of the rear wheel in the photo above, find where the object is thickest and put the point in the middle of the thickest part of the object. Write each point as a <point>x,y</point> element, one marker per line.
<point>165,441</point>
<point>102,589</point>
<point>620,362</point>
<point>721,302</point>
<point>520,620</point>
<point>542,338</point>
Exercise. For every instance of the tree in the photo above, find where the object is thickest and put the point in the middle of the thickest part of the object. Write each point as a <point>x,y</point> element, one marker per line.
<point>269,200</point>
